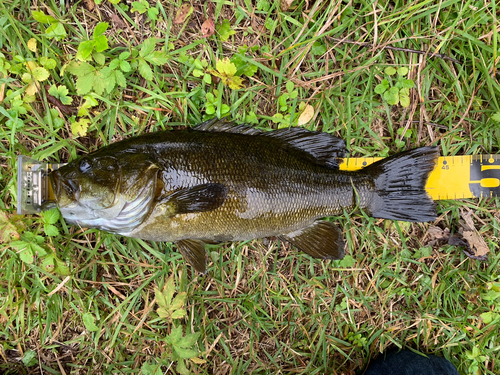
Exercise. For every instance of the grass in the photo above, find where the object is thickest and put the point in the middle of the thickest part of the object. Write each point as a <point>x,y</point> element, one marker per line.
<point>263,307</point>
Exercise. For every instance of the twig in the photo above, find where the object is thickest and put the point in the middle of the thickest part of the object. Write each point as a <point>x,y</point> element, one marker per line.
<point>366,44</point>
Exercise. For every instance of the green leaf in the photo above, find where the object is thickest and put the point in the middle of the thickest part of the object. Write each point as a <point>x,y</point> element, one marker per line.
<point>99,58</point>
<point>178,314</point>
<point>491,295</point>
<point>390,71</point>
<point>151,369</point>
<point>42,17</point>
<point>169,291</point>
<point>120,79</point>
<point>207,78</point>
<point>124,55</point>
<point>98,83</point>
<point>198,64</point>
<point>263,5</point>
<point>185,353</point>
<point>89,322</point>
<point>125,66</point>
<point>145,70</point>
<point>153,14</point>
<point>37,249</point>
<point>496,117</point>
<point>53,215</point>
<point>282,100</point>
<point>79,128</point>
<point>80,68</point>
<point>157,58</point>
<point>209,108</point>
<point>140,7</point>
<point>403,70</point>
<point>224,30</point>
<point>89,102</point>
<point>85,50</point>
<point>61,93</point>
<point>84,84</point>
<point>404,100</point>
<point>19,245</point>
<point>489,317</point>
<point>181,368</point>
<point>100,29</point>
<point>210,97</point>
<point>382,87</point>
<point>8,229</point>
<point>115,63</point>
<point>30,358</point>
<point>250,70</point>
<point>226,71</point>
<point>101,43</point>
<point>198,73</point>
<point>189,340</point>
<point>392,96</point>
<point>48,63</point>
<point>61,268</point>
<point>226,67</point>
<point>251,118</point>
<point>290,86</point>
<point>408,83</point>
<point>318,48</point>
<point>235,83</point>
<point>170,308</point>
<point>175,335</point>
<point>224,109</point>
<point>56,31</point>
<point>48,263</point>
<point>26,256</point>
<point>148,47</point>
<point>108,76</point>
<point>347,262</point>
<point>40,74</point>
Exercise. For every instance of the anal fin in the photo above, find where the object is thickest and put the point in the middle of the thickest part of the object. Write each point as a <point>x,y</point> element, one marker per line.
<point>193,252</point>
<point>322,240</point>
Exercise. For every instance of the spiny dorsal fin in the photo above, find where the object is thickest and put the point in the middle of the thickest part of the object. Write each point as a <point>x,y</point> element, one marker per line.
<point>318,147</point>
<point>322,239</point>
<point>215,125</point>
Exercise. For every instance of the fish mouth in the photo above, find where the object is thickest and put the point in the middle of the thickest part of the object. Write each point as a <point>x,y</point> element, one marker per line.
<point>60,184</point>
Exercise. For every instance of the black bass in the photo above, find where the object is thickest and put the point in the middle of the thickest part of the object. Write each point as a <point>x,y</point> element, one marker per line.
<point>219,182</point>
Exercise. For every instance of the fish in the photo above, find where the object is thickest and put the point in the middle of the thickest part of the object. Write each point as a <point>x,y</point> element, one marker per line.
<point>221,182</point>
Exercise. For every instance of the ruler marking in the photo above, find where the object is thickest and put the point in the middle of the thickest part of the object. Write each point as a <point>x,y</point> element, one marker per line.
<point>454,177</point>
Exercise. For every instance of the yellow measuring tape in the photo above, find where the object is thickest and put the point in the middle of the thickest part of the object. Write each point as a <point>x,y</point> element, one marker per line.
<point>455,177</point>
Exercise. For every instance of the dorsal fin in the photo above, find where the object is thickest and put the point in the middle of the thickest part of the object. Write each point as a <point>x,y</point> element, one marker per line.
<point>318,147</point>
<point>216,125</point>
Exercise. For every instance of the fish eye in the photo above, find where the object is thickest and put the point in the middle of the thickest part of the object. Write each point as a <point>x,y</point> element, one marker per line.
<point>84,166</point>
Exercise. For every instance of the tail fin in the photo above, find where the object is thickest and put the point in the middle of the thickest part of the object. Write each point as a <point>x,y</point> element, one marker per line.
<point>400,186</point>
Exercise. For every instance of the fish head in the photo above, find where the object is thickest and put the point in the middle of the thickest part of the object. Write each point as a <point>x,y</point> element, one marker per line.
<point>95,189</point>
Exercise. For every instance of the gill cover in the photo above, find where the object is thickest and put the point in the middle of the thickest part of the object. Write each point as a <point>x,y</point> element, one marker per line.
<point>106,192</point>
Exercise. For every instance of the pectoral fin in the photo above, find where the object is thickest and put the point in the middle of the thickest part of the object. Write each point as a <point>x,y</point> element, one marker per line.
<point>193,252</point>
<point>321,240</point>
<point>199,198</point>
